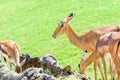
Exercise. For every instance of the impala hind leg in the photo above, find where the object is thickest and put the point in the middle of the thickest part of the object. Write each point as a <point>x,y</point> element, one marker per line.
<point>10,62</point>
<point>116,62</point>
<point>7,59</point>
<point>118,66</point>
<point>114,73</point>
<point>118,76</point>
<point>113,70</point>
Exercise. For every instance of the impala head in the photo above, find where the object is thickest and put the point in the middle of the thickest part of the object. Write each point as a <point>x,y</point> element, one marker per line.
<point>18,68</point>
<point>82,68</point>
<point>62,26</point>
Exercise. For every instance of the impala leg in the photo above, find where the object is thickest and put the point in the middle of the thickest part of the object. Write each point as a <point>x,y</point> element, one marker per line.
<point>118,76</point>
<point>100,68</point>
<point>7,60</point>
<point>114,73</point>
<point>112,69</point>
<point>0,54</point>
<point>118,66</point>
<point>104,65</point>
<point>116,62</point>
<point>118,69</point>
<point>0,57</point>
<point>95,69</point>
<point>10,65</point>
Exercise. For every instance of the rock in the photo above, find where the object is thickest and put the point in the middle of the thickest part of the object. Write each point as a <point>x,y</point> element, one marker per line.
<point>51,64</point>
<point>36,73</point>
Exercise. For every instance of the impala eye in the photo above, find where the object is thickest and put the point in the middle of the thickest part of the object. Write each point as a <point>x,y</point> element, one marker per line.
<point>61,25</point>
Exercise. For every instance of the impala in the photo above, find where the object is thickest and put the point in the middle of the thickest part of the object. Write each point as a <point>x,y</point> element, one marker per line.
<point>85,42</point>
<point>108,43</point>
<point>10,50</point>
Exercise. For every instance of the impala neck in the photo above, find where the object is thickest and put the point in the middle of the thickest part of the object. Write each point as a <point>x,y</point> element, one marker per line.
<point>73,37</point>
<point>93,57</point>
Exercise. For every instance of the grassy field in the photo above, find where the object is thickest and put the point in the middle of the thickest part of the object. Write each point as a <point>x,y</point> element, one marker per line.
<point>31,24</point>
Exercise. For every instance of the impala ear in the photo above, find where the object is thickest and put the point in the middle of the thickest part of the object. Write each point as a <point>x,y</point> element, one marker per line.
<point>69,17</point>
<point>23,62</point>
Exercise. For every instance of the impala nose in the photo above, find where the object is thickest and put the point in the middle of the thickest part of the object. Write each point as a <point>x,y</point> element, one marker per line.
<point>53,36</point>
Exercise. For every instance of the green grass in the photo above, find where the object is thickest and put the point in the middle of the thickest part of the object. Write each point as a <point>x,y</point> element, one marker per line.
<point>31,24</point>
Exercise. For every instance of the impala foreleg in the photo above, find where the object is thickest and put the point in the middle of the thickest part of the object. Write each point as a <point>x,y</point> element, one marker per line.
<point>100,68</point>
<point>95,69</point>
<point>5,56</point>
<point>104,65</point>
<point>97,64</point>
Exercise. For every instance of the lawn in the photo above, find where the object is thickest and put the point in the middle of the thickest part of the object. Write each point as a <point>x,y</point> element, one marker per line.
<point>31,24</point>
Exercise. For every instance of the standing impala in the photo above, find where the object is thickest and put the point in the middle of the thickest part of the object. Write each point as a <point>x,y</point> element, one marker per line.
<point>10,50</point>
<point>85,42</point>
<point>108,43</point>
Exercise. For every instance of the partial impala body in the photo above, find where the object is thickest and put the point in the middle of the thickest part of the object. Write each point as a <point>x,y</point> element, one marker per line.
<point>85,42</point>
<point>108,43</point>
<point>10,50</point>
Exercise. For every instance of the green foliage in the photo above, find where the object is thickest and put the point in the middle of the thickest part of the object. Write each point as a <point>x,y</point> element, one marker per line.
<point>31,24</point>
